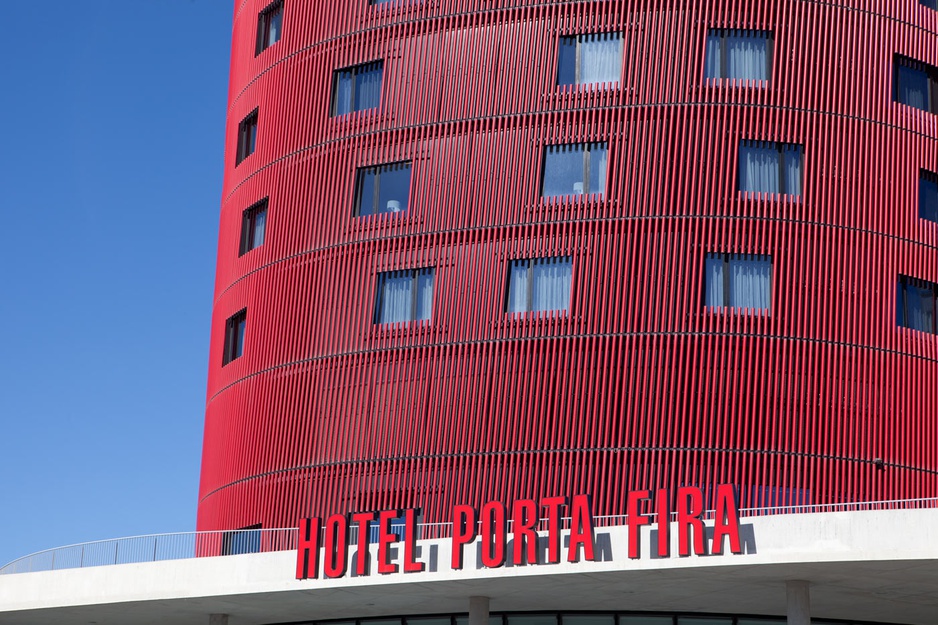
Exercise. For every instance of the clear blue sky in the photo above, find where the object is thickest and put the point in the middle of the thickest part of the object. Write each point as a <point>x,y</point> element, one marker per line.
<point>110,183</point>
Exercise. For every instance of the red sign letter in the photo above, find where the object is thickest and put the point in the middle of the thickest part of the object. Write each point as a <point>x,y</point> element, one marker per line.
<point>726,522</point>
<point>464,531</point>
<point>581,529</point>
<point>663,512</point>
<point>554,513</point>
<point>410,542</point>
<point>636,519</point>
<point>493,533</point>
<point>362,519</point>
<point>523,521</point>
<point>307,549</point>
<point>385,539</point>
<point>689,508</point>
<point>336,547</point>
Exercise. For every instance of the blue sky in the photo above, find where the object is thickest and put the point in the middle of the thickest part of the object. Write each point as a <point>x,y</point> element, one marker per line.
<point>110,182</point>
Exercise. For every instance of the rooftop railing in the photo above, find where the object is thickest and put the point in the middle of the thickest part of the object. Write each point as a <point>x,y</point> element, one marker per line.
<point>183,545</point>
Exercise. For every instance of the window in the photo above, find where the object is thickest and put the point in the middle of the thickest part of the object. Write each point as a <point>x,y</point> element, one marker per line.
<point>768,167</point>
<point>382,189</point>
<point>928,195</point>
<point>916,84</point>
<point>253,222</point>
<point>357,88</point>
<point>737,281</point>
<point>234,336</point>
<point>396,526</point>
<point>539,284</point>
<point>404,295</point>
<point>590,59</point>
<point>245,540</point>
<point>915,304</point>
<point>738,54</point>
<point>931,4</point>
<point>269,25</point>
<point>247,136</point>
<point>576,169</point>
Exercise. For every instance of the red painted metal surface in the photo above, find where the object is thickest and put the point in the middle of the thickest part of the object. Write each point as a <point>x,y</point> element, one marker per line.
<point>821,399</point>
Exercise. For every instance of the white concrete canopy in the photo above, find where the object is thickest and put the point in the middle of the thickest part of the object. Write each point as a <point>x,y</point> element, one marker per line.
<point>871,566</point>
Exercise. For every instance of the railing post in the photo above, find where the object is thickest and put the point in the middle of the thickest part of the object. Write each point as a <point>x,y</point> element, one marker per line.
<point>116,546</point>
<point>155,538</point>
<point>81,560</point>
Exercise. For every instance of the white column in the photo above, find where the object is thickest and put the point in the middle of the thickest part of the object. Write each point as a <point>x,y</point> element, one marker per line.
<point>799,602</point>
<point>218,619</point>
<point>478,611</point>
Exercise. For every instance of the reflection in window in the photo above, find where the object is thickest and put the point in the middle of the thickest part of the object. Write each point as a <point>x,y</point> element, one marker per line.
<point>405,295</point>
<point>539,284</point>
<point>574,169</point>
<point>738,54</point>
<point>915,304</point>
<point>769,167</point>
<point>357,88</point>
<point>590,59</point>
<point>737,281</point>
<point>928,196</point>
<point>915,84</point>
<point>382,189</point>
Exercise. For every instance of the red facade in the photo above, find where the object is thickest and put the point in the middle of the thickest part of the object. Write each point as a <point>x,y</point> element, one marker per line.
<point>823,398</point>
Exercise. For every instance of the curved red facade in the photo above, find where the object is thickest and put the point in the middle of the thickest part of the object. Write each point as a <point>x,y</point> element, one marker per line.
<point>821,398</point>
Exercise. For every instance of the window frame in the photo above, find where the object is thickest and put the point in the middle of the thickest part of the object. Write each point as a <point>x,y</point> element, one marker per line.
<point>414,275</point>
<point>355,69</point>
<point>263,26</point>
<point>360,173</point>
<point>903,282</point>
<point>587,163</point>
<point>724,59</point>
<point>233,348</point>
<point>529,294</point>
<point>782,179</point>
<point>931,75</point>
<point>726,257</point>
<point>245,139</point>
<point>249,226</point>
<point>578,58</point>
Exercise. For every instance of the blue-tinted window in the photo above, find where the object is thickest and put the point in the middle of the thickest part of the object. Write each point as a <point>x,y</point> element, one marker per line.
<point>269,25</point>
<point>405,295</point>
<point>247,137</point>
<point>382,189</point>
<point>234,336</point>
<point>928,196</point>
<point>737,281</point>
<point>539,284</point>
<point>253,227</point>
<point>738,54</point>
<point>357,88</point>
<point>769,167</point>
<point>915,84</point>
<point>245,540</point>
<point>590,59</point>
<point>574,169</point>
<point>931,4</point>
<point>915,304</point>
<point>397,528</point>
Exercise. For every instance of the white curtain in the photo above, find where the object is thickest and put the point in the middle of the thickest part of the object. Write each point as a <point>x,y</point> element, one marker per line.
<point>712,56</point>
<point>344,82</point>
<point>920,308</point>
<point>518,286</point>
<point>551,288</point>
<point>600,58</point>
<point>758,167</point>
<point>749,281</point>
<point>597,169</point>
<point>746,55</point>
<point>395,297</point>
<point>928,199</point>
<point>260,223</point>
<point>274,31</point>
<point>424,299</point>
<point>792,159</point>
<point>563,170</point>
<point>713,280</point>
<point>912,87</point>
<point>368,87</point>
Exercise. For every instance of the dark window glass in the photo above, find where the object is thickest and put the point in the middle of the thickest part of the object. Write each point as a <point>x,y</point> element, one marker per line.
<point>915,84</point>
<point>738,54</point>
<point>645,620</point>
<point>931,4</point>
<point>539,284</point>
<point>590,59</point>
<point>382,189</point>
<point>234,336</point>
<point>247,137</point>
<point>532,619</point>
<point>397,528</point>
<point>357,88</point>
<point>574,169</point>
<point>737,281</point>
<point>588,619</point>
<point>244,540</point>
<point>769,167</point>
<point>690,620</point>
<point>253,226</point>
<point>269,25</point>
<point>405,295</point>
<point>928,196</point>
<point>915,304</point>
